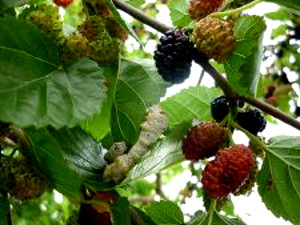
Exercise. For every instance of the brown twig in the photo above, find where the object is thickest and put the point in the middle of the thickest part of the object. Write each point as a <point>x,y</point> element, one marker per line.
<point>141,16</point>
<point>273,112</point>
<point>220,80</point>
<point>158,185</point>
<point>141,199</point>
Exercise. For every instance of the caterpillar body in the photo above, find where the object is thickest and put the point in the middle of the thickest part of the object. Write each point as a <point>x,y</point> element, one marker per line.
<point>155,124</point>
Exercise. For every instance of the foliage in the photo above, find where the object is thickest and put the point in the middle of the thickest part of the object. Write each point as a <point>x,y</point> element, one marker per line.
<point>72,117</point>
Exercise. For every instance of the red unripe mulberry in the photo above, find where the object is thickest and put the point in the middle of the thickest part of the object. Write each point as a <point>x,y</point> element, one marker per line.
<point>63,3</point>
<point>204,140</point>
<point>228,171</point>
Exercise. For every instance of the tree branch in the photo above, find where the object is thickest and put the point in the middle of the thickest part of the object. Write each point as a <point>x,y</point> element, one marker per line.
<point>273,112</point>
<point>141,16</point>
<point>220,80</point>
<point>158,188</point>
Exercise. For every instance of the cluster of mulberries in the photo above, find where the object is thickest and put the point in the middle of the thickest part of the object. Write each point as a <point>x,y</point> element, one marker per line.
<point>20,179</point>
<point>251,120</point>
<point>98,38</point>
<point>234,169</point>
<point>213,38</point>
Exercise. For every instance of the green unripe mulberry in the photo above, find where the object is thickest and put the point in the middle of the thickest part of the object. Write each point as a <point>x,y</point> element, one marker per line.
<point>47,19</point>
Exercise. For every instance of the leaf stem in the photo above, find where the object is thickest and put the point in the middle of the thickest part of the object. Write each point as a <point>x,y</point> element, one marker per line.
<point>201,77</point>
<point>237,10</point>
<point>250,136</point>
<point>211,210</point>
<point>158,186</point>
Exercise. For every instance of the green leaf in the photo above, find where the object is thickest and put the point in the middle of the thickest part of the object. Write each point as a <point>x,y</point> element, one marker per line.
<point>4,210</point>
<point>217,219</point>
<point>179,12</point>
<point>138,86</point>
<point>293,4</point>
<point>192,103</point>
<point>47,154</point>
<point>165,212</point>
<point>25,212</point>
<point>25,49</point>
<point>84,154</point>
<point>278,31</point>
<point>63,97</point>
<point>123,23</point>
<point>140,187</point>
<point>120,211</point>
<point>99,125</point>
<point>243,66</point>
<point>279,178</point>
<point>164,154</point>
<point>34,90</point>
<point>282,14</point>
<point>136,3</point>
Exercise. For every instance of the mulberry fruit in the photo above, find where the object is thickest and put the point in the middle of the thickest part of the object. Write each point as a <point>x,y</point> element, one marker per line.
<point>63,3</point>
<point>100,7</point>
<point>228,171</point>
<point>22,181</point>
<point>98,213</point>
<point>297,111</point>
<point>47,19</point>
<point>199,9</point>
<point>115,29</point>
<point>98,27</point>
<point>93,28</point>
<point>284,78</point>
<point>252,121</point>
<point>75,47</point>
<point>204,140</point>
<point>214,38</point>
<point>105,48</point>
<point>88,214</point>
<point>106,51</point>
<point>249,183</point>
<point>296,33</point>
<point>173,57</point>
<point>219,108</point>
